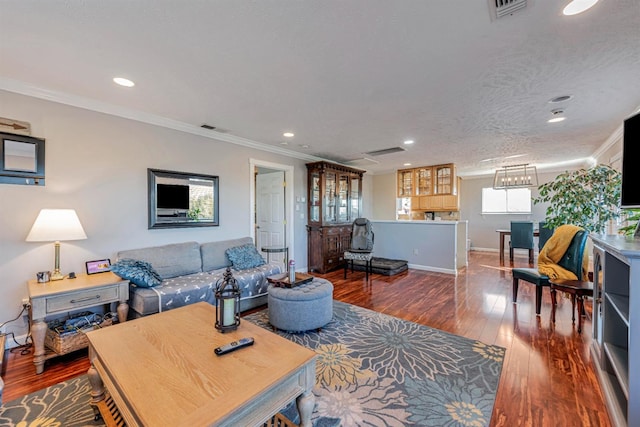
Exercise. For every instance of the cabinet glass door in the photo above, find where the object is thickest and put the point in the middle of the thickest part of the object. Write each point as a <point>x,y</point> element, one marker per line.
<point>330,197</point>
<point>405,183</point>
<point>444,180</point>
<point>314,198</point>
<point>355,199</point>
<point>424,181</point>
<point>343,197</point>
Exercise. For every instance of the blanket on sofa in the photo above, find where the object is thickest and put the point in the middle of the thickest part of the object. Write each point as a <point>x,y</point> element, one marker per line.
<point>184,290</point>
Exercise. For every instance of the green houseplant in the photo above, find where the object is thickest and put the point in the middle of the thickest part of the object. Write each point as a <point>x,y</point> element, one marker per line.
<point>631,216</point>
<point>588,198</point>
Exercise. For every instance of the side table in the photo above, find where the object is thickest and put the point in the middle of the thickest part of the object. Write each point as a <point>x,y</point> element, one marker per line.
<point>62,296</point>
<point>277,249</point>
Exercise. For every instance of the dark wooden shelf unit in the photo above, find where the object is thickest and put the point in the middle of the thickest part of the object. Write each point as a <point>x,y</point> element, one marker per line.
<point>335,201</point>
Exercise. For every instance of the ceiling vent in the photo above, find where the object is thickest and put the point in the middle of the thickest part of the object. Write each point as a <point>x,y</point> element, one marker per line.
<point>385,151</point>
<point>363,161</point>
<point>501,8</point>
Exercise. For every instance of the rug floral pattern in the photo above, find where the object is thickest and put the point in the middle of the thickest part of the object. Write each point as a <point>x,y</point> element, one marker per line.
<point>377,370</point>
<point>371,370</point>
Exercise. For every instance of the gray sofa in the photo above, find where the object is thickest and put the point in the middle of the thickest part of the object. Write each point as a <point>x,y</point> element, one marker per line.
<point>190,272</point>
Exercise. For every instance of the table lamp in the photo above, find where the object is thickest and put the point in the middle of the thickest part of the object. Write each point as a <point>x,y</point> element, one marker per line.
<point>54,225</point>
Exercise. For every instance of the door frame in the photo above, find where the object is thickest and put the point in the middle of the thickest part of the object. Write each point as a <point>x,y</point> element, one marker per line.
<point>289,200</point>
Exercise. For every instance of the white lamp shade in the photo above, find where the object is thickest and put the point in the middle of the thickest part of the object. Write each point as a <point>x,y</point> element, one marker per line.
<point>55,225</point>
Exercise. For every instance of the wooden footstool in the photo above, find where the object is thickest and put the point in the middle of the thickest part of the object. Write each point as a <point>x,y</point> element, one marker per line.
<point>578,289</point>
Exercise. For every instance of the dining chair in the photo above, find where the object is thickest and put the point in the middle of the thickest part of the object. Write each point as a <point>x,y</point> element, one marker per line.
<point>544,233</point>
<point>521,238</point>
<point>571,261</point>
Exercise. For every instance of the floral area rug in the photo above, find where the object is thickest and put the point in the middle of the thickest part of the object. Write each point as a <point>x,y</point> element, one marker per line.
<point>377,370</point>
<point>372,370</point>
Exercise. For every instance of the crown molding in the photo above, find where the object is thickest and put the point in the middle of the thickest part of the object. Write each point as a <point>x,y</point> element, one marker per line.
<point>22,88</point>
<point>609,142</point>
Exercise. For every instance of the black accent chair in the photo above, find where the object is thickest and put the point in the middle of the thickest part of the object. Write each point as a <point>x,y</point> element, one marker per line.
<point>571,260</point>
<point>521,238</point>
<point>361,247</point>
<point>543,234</point>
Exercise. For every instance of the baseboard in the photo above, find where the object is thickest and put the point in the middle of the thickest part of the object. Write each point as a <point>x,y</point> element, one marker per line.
<point>11,343</point>
<point>478,249</point>
<point>434,269</point>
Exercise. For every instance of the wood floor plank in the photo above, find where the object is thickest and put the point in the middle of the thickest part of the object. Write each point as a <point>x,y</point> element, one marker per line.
<point>547,379</point>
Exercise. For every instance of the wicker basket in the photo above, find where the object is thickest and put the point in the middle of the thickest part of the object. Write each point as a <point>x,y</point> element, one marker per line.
<point>70,342</point>
<point>279,420</point>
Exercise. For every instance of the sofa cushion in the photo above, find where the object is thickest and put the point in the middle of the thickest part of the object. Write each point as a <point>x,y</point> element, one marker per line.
<point>140,273</point>
<point>244,257</point>
<point>177,259</point>
<point>214,253</point>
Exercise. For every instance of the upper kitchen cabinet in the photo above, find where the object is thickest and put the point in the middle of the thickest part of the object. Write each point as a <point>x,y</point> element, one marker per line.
<point>445,179</point>
<point>405,183</point>
<point>431,188</point>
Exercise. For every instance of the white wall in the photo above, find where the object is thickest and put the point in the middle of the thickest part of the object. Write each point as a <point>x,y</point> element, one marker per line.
<point>384,196</point>
<point>97,164</point>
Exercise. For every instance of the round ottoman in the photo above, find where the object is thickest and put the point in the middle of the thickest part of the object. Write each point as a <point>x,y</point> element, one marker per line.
<point>305,307</point>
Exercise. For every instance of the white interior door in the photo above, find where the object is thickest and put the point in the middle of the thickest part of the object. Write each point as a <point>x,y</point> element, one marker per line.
<point>270,213</point>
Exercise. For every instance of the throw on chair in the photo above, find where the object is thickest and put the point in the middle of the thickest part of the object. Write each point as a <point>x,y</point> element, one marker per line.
<point>361,246</point>
<point>562,257</point>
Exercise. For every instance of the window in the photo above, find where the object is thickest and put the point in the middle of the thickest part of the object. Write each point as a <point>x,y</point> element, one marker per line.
<point>514,200</point>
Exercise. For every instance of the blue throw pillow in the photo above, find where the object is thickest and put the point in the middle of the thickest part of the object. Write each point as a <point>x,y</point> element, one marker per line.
<point>140,273</point>
<point>245,256</point>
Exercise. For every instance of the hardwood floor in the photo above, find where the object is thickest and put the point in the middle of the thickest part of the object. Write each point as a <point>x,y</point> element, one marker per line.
<point>547,378</point>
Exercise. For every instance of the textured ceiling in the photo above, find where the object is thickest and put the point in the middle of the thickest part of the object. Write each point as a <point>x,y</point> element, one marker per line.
<point>347,77</point>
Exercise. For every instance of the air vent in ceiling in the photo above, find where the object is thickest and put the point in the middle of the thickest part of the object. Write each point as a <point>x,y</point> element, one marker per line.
<point>501,8</point>
<point>385,151</point>
<point>363,161</point>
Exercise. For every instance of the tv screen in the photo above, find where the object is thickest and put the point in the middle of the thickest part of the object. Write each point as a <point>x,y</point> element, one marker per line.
<point>171,196</point>
<point>630,166</point>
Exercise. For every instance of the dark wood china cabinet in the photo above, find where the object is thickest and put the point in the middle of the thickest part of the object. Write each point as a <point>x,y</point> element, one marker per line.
<point>335,201</point>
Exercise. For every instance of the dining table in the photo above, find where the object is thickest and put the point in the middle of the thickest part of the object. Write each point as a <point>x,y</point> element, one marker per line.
<point>507,232</point>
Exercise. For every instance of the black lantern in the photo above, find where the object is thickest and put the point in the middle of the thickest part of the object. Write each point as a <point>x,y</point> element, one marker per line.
<point>227,303</point>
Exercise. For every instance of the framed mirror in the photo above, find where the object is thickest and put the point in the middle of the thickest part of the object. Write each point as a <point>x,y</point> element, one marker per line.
<point>21,159</point>
<point>180,199</point>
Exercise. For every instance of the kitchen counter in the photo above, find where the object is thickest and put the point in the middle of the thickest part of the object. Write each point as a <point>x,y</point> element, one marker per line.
<point>431,245</point>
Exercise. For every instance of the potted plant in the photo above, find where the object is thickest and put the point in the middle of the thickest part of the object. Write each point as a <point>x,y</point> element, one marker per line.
<point>588,198</point>
<point>631,217</point>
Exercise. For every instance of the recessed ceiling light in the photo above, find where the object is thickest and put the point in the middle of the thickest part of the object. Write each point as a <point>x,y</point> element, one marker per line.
<point>409,141</point>
<point>407,164</point>
<point>578,6</point>
<point>123,82</point>
<point>556,119</point>
<point>288,134</point>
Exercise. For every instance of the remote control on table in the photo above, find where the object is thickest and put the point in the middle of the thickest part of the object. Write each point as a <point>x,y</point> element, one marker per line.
<point>232,346</point>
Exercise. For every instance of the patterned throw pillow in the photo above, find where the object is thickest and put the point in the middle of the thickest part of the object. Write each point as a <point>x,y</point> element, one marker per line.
<point>140,273</point>
<point>245,256</point>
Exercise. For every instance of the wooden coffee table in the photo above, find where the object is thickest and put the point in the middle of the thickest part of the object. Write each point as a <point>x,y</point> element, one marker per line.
<point>161,370</point>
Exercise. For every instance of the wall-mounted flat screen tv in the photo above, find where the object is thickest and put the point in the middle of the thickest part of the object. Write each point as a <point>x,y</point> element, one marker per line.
<point>172,196</point>
<point>631,163</point>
